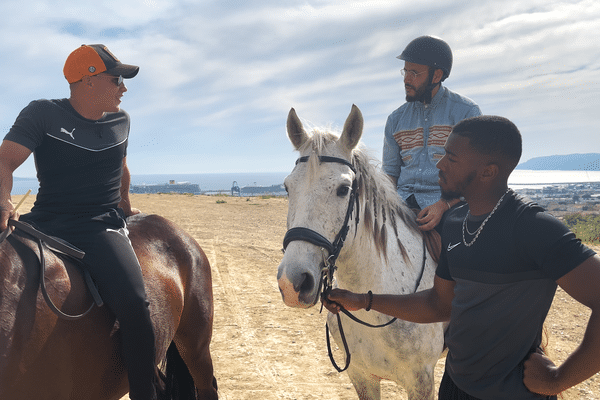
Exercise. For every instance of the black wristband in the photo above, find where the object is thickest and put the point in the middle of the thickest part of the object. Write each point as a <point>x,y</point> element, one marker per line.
<point>370,303</point>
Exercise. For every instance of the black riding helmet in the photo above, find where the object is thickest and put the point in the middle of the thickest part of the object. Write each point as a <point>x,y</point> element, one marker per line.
<point>431,51</point>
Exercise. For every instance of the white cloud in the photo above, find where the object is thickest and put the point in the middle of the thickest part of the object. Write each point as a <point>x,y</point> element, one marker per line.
<point>218,79</point>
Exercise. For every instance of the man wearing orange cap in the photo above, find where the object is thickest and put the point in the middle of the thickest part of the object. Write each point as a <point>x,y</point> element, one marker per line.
<point>80,147</point>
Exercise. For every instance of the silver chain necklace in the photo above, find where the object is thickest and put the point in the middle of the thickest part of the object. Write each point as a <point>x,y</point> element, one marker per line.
<point>478,231</point>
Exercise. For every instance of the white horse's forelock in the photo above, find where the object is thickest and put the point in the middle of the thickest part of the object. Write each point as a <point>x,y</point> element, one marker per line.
<point>318,139</point>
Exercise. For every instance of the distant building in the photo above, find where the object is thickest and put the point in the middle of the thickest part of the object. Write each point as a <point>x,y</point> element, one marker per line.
<point>562,199</point>
<point>171,187</point>
<point>277,190</point>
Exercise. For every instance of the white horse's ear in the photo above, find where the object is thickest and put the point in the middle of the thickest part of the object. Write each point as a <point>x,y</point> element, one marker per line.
<point>353,128</point>
<point>295,130</point>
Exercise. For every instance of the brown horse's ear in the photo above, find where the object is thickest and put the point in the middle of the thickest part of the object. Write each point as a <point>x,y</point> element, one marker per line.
<point>353,128</point>
<point>295,130</point>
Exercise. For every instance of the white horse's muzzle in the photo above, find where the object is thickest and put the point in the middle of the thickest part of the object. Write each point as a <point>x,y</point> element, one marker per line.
<point>299,274</point>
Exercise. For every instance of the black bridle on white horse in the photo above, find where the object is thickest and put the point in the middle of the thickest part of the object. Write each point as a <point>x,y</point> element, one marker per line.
<point>308,235</point>
<point>326,279</point>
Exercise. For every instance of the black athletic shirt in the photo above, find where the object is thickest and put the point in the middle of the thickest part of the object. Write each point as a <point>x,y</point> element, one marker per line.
<point>505,284</point>
<point>78,161</point>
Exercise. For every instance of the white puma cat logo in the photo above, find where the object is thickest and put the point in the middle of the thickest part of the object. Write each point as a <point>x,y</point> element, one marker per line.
<point>63,130</point>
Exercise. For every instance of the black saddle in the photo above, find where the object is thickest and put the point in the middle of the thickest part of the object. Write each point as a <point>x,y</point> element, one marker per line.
<point>64,250</point>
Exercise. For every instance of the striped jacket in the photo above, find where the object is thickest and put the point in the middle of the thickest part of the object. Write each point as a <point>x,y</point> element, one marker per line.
<point>415,135</point>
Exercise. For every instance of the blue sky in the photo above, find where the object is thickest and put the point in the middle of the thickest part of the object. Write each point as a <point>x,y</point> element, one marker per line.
<point>217,78</point>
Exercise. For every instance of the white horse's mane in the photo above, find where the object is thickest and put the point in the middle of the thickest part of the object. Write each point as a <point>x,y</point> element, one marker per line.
<point>376,193</point>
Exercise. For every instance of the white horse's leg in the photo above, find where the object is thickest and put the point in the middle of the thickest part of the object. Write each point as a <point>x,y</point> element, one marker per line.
<point>368,387</point>
<point>423,385</point>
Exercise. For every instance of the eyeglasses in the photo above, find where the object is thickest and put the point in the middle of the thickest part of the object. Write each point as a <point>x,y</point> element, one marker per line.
<point>411,74</point>
<point>117,80</point>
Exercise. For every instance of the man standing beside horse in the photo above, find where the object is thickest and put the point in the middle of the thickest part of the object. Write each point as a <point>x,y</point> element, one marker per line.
<point>416,132</point>
<point>502,259</point>
<point>80,147</point>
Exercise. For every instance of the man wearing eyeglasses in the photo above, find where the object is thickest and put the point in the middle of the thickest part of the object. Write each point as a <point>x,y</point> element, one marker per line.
<point>416,132</point>
<point>80,147</point>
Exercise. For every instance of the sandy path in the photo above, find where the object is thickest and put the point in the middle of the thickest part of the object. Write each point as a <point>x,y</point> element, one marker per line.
<point>263,350</point>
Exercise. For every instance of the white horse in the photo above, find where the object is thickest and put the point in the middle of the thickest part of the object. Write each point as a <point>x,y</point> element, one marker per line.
<point>383,252</point>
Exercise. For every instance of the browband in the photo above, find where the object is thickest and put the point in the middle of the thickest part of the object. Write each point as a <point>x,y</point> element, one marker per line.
<point>329,159</point>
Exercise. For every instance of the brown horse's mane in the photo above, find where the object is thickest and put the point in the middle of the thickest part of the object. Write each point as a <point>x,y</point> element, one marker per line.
<point>376,193</point>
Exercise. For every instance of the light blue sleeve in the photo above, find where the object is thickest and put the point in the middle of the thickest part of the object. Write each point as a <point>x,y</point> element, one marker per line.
<point>391,162</point>
<point>474,111</point>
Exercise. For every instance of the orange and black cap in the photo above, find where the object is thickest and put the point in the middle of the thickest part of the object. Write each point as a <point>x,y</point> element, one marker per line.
<point>94,59</point>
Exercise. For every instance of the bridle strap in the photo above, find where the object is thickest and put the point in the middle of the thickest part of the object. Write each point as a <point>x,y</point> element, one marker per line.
<point>307,235</point>
<point>344,342</point>
<point>338,243</point>
<point>334,249</point>
<point>323,159</point>
<point>355,319</point>
<point>43,241</point>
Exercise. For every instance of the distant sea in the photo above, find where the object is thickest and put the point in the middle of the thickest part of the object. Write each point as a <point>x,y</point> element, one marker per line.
<point>524,179</point>
<point>520,179</point>
<point>207,182</point>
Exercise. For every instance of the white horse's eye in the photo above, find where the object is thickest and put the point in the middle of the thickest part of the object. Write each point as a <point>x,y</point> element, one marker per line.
<point>343,191</point>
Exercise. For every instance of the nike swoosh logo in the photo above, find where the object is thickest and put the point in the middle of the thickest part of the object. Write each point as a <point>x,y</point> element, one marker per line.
<point>450,247</point>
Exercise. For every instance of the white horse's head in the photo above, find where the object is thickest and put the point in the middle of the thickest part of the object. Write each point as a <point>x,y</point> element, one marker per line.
<point>319,194</point>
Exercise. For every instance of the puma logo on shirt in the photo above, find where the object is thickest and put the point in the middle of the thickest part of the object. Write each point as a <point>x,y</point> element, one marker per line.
<point>63,130</point>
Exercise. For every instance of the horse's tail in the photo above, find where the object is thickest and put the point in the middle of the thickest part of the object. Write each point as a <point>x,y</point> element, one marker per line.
<point>178,383</point>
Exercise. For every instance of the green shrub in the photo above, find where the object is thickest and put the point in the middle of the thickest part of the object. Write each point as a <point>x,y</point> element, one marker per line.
<point>585,227</point>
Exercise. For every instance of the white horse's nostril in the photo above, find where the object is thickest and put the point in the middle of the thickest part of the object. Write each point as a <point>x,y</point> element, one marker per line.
<point>307,285</point>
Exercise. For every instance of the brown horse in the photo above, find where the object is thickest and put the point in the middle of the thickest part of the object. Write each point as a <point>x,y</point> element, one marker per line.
<point>44,357</point>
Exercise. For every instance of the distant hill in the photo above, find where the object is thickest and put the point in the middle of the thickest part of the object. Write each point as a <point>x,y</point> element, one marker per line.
<point>569,162</point>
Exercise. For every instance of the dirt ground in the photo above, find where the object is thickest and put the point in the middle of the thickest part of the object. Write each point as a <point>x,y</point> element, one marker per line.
<point>264,350</point>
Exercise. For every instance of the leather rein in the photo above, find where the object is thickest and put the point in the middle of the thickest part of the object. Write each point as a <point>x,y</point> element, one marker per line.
<point>334,248</point>
<point>44,241</point>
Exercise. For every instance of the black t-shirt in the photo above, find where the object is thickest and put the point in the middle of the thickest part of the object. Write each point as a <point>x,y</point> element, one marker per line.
<point>505,284</point>
<point>78,161</point>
